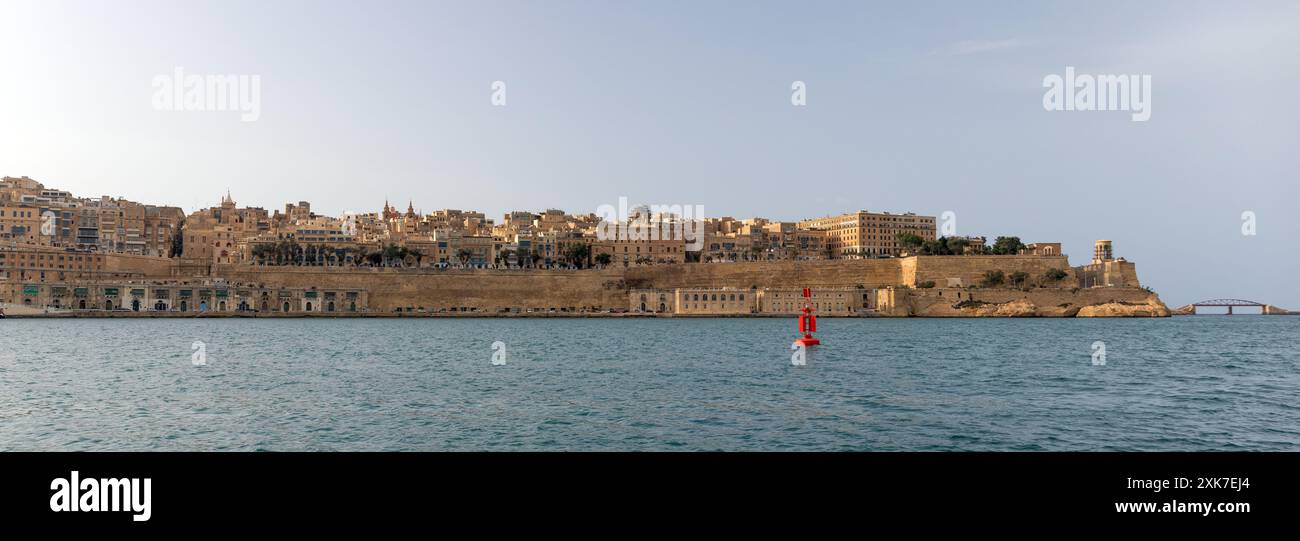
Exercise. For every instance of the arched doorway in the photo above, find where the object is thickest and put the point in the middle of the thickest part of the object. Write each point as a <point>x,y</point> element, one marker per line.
<point>108,305</point>
<point>203,306</point>
<point>265,307</point>
<point>135,305</point>
<point>308,306</point>
<point>160,306</point>
<point>81,304</point>
<point>243,306</point>
<point>643,307</point>
<point>329,307</point>
<point>352,307</point>
<point>185,306</point>
<point>663,307</point>
<point>286,306</point>
<point>221,306</point>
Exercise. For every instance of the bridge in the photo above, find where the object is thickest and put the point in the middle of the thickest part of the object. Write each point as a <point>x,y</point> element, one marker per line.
<point>1234,303</point>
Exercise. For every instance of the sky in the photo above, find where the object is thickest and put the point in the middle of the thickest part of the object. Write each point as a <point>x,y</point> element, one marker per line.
<point>926,107</point>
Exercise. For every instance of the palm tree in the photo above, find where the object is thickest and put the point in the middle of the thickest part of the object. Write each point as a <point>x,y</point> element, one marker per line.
<point>463,255</point>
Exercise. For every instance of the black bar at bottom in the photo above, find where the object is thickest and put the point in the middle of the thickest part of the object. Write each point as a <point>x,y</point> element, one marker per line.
<point>319,491</point>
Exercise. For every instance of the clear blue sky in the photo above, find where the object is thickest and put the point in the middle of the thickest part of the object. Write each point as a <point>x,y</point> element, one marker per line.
<point>912,106</point>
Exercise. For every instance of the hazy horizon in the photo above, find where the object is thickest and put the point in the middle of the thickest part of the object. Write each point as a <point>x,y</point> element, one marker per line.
<point>925,107</point>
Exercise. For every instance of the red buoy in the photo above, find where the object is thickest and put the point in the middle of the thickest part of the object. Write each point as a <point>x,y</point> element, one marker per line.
<point>807,321</point>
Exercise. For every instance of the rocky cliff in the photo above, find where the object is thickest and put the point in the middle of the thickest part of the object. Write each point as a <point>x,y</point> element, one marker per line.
<point>1034,302</point>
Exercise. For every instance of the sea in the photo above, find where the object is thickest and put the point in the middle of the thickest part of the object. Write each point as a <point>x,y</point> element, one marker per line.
<point>1192,383</point>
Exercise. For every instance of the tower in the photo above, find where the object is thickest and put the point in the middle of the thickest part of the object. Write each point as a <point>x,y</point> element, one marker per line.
<point>1102,252</point>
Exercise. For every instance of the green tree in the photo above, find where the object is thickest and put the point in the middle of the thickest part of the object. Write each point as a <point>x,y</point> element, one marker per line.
<point>993,278</point>
<point>603,259</point>
<point>939,246</point>
<point>1018,278</point>
<point>1007,246</point>
<point>577,253</point>
<point>909,241</point>
<point>1054,275</point>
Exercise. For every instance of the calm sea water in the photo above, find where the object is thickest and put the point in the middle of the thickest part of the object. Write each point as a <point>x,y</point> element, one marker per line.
<point>1187,383</point>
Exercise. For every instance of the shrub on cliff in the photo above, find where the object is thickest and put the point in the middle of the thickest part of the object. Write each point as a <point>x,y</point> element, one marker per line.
<point>928,284</point>
<point>1054,275</point>
<point>993,278</point>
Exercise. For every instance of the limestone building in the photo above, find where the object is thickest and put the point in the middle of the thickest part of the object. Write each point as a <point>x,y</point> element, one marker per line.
<point>870,234</point>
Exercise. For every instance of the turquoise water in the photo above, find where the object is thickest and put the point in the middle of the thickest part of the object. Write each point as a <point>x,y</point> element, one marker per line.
<point>1187,383</point>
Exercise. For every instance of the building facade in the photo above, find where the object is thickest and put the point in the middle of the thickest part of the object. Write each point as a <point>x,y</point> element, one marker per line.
<point>870,234</point>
